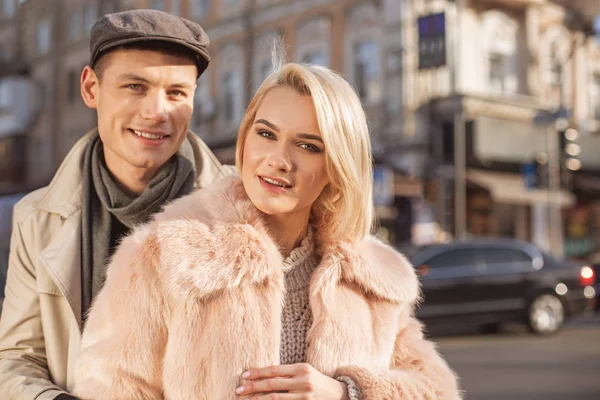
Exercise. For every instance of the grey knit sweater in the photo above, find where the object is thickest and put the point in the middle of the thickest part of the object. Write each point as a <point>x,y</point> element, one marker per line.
<point>296,317</point>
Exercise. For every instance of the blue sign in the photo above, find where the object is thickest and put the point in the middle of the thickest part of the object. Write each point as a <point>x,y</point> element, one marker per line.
<point>432,40</point>
<point>528,171</point>
<point>433,25</point>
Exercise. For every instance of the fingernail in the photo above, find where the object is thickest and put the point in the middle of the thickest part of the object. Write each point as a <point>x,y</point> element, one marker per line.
<point>240,390</point>
<point>246,374</point>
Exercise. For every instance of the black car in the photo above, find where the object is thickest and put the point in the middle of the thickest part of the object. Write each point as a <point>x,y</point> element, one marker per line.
<point>493,281</point>
<point>596,268</point>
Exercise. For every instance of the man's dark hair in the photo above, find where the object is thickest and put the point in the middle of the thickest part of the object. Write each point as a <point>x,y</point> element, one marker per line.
<point>172,49</point>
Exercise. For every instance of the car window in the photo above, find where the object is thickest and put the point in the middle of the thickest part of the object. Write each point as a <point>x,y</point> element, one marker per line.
<point>495,255</point>
<point>452,258</point>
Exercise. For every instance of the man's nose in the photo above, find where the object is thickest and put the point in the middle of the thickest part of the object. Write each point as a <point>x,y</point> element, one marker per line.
<point>154,106</point>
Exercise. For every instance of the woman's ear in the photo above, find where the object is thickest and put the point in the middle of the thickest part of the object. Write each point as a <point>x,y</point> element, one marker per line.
<point>89,87</point>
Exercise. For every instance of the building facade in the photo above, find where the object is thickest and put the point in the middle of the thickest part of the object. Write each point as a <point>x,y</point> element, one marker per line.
<point>519,74</point>
<point>450,141</point>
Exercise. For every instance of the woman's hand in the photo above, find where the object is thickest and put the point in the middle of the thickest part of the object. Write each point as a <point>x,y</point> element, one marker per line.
<point>295,381</point>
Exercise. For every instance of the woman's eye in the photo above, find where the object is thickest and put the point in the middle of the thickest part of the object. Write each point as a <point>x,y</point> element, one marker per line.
<point>266,134</point>
<point>310,147</point>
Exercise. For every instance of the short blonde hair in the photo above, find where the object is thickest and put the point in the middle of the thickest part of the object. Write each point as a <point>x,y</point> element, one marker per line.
<point>345,207</point>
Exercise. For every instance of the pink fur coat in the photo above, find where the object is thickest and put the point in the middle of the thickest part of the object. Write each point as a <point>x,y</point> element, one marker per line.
<point>194,298</point>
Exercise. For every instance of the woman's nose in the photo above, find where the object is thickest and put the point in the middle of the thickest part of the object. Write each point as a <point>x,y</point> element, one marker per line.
<point>280,161</point>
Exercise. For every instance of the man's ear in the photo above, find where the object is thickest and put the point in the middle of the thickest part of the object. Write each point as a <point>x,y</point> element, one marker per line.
<point>89,87</point>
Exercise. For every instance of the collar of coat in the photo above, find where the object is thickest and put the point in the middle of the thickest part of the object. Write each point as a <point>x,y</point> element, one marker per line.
<point>219,230</point>
<point>63,194</point>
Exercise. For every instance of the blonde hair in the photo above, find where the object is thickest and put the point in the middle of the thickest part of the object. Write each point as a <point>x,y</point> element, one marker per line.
<point>345,207</point>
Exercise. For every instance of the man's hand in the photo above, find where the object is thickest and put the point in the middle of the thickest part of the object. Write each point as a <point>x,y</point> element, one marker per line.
<point>287,382</point>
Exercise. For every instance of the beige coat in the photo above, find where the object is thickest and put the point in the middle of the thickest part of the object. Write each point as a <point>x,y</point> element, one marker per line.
<point>41,315</point>
<point>194,298</point>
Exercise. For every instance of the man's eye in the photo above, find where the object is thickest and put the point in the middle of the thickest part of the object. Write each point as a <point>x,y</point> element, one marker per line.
<point>176,93</point>
<point>135,86</point>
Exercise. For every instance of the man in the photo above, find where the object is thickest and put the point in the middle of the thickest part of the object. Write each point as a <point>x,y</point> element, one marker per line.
<point>141,80</point>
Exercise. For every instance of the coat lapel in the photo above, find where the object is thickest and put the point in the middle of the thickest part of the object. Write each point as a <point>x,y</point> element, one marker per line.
<point>62,260</point>
<point>354,297</point>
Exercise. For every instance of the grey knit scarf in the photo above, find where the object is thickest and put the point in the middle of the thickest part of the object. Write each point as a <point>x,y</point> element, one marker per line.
<point>108,213</point>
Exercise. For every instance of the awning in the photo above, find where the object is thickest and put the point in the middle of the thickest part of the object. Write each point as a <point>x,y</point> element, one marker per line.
<point>510,188</point>
<point>405,186</point>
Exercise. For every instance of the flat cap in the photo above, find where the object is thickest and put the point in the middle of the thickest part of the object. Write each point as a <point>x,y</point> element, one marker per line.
<point>113,30</point>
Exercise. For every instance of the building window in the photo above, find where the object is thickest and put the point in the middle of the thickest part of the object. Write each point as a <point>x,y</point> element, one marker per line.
<point>262,64</point>
<point>499,31</point>
<point>91,14</point>
<point>229,97</point>
<point>157,5</point>
<point>595,93</point>
<point>43,36</point>
<point>366,71</point>
<point>5,96</point>
<point>231,86</point>
<point>8,8</point>
<point>265,70</point>
<point>313,39</point>
<point>315,58</point>
<point>4,54</point>
<point>497,72</point>
<point>200,8</point>
<point>72,86</point>
<point>362,47</point>
<point>198,109</point>
<point>109,6</point>
<point>556,68</point>
<point>394,10</point>
<point>555,47</point>
<point>556,73</point>
<point>176,7</point>
<point>232,98</point>
<point>204,108</point>
<point>394,79</point>
<point>394,62</point>
<point>75,21</point>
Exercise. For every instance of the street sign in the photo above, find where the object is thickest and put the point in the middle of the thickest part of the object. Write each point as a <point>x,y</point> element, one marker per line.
<point>528,171</point>
<point>544,117</point>
<point>432,40</point>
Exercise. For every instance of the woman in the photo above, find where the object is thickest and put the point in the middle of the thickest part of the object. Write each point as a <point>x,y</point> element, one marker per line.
<point>268,285</point>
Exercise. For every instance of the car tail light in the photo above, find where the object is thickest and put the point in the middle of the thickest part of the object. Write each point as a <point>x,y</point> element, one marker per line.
<point>587,276</point>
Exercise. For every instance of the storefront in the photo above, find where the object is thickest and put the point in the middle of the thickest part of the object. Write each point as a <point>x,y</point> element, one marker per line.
<point>582,221</point>
<point>512,209</point>
<point>494,138</point>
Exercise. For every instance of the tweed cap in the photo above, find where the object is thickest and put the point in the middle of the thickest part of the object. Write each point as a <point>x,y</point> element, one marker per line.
<point>113,30</point>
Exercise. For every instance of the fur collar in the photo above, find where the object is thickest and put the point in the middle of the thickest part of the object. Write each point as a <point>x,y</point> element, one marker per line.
<point>219,229</point>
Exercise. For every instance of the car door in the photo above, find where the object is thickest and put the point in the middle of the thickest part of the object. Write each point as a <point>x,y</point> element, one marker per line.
<point>504,278</point>
<point>446,278</point>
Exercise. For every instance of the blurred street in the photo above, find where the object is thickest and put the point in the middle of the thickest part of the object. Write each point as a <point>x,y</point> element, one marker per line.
<point>516,365</point>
